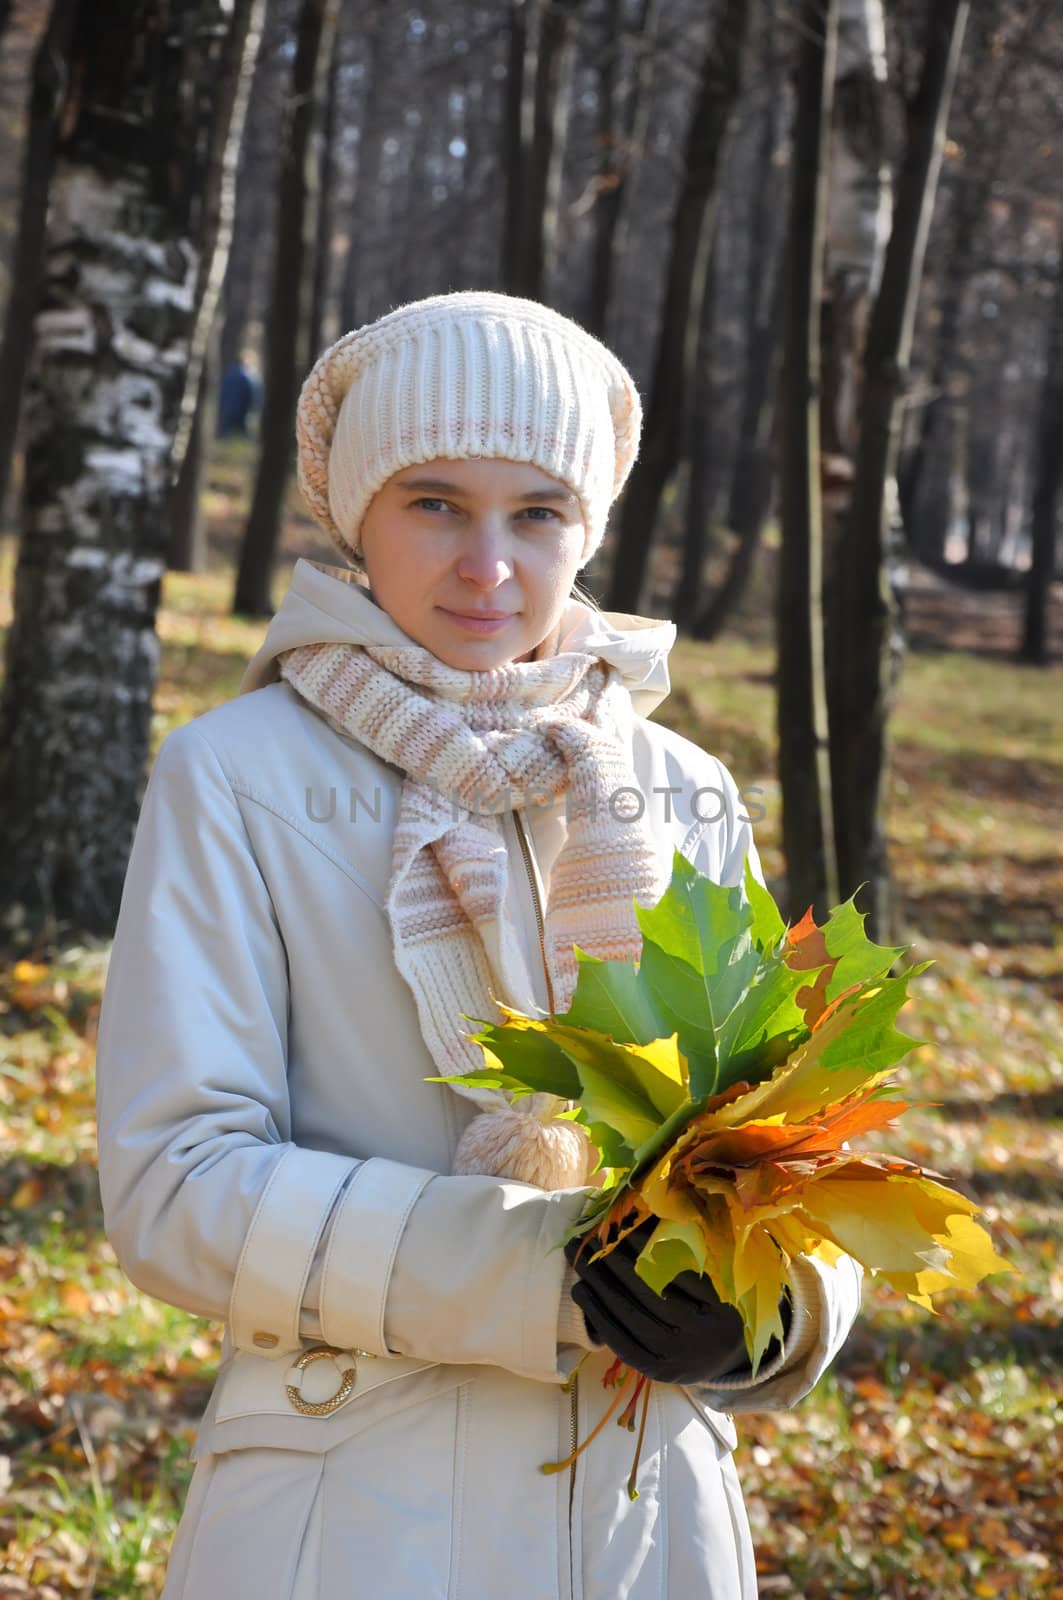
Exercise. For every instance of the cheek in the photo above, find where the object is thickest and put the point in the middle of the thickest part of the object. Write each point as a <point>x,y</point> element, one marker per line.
<point>560,561</point>
<point>408,562</point>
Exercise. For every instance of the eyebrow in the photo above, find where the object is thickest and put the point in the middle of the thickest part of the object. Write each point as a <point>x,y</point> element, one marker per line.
<point>445,486</point>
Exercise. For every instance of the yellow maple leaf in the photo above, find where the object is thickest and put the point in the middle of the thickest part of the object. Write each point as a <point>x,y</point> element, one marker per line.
<point>740,1202</point>
<point>759,1280</point>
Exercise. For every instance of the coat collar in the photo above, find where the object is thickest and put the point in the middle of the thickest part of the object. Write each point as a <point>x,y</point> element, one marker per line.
<point>331,605</point>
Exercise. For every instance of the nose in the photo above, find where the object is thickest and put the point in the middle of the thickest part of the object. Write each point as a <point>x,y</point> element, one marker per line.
<point>485,560</point>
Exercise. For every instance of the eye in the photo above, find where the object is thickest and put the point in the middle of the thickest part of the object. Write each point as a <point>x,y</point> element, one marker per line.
<point>550,512</point>
<point>429,500</point>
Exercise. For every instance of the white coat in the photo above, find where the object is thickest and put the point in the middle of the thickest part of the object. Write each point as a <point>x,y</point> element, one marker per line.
<point>272,1157</point>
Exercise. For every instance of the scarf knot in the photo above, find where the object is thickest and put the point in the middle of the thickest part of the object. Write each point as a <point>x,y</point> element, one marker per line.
<point>473,745</point>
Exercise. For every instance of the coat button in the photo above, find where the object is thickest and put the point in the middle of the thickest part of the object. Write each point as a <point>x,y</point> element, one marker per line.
<point>265,1341</point>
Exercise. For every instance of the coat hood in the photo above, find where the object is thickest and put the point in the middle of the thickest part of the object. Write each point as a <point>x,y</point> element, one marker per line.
<point>331,605</point>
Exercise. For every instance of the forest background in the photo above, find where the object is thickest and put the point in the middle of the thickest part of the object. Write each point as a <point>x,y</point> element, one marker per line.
<point>827,238</point>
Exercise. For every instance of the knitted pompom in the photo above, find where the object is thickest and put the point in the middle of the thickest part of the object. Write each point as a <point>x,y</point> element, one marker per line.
<point>515,1144</point>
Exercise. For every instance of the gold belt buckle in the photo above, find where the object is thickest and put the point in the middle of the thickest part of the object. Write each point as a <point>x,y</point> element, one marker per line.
<point>323,1408</point>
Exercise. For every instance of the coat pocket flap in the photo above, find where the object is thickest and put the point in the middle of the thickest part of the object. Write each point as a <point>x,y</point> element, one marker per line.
<point>250,1404</point>
<point>251,1384</point>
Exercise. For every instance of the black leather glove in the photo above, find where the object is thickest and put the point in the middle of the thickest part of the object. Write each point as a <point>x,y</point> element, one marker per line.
<point>687,1335</point>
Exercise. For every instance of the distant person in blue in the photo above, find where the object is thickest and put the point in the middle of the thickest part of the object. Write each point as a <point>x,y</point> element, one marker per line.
<point>241,394</point>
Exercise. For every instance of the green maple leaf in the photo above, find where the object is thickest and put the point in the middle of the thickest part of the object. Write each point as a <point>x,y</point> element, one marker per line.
<point>767,926</point>
<point>764,1027</point>
<point>611,997</point>
<point>858,959</point>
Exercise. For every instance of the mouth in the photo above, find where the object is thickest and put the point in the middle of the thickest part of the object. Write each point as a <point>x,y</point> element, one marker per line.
<point>483,622</point>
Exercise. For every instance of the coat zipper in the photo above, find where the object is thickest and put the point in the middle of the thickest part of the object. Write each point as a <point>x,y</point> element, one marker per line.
<point>573,1385</point>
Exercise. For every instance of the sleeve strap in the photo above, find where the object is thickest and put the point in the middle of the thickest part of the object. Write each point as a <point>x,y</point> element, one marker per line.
<point>279,1248</point>
<point>363,1242</point>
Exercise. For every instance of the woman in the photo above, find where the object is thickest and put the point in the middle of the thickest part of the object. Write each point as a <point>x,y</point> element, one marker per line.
<point>437,778</point>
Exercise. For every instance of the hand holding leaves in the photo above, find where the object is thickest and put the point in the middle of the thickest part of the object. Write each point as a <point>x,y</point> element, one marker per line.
<point>721,1080</point>
<point>687,1335</point>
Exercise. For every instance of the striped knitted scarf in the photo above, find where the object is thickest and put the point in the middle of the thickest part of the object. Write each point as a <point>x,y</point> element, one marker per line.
<point>471,745</point>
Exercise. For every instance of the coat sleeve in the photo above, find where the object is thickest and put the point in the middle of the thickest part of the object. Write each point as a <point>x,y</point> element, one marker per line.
<point>208,1201</point>
<point>825,1303</point>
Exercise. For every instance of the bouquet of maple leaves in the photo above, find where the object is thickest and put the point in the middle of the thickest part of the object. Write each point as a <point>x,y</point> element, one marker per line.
<point>720,1080</point>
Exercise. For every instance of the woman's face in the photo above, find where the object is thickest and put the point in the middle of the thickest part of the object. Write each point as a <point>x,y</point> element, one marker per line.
<point>447,540</point>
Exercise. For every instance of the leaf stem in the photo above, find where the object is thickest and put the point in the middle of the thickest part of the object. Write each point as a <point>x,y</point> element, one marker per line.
<point>632,1492</point>
<point>614,1406</point>
<point>666,1134</point>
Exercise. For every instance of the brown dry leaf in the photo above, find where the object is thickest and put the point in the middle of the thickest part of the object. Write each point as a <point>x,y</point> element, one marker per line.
<point>72,1297</point>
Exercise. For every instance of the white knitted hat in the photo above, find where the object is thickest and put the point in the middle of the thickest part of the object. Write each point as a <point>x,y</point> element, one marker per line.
<point>468,374</point>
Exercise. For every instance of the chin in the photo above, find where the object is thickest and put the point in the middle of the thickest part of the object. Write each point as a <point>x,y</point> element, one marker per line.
<point>483,658</point>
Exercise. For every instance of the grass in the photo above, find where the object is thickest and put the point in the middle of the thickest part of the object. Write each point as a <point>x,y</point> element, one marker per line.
<point>925,1464</point>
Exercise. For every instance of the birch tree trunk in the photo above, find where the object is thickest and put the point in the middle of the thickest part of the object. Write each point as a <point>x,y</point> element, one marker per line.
<point>859,215</point>
<point>47,91</point>
<point>859,207</point>
<point>801,704</point>
<point>122,256</point>
<point>860,676</point>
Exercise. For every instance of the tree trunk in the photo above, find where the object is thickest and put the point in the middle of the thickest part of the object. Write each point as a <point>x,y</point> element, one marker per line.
<point>641,106</point>
<point>754,479</point>
<point>231,92</point>
<point>753,473</point>
<point>371,133</point>
<point>188,528</point>
<point>121,259</point>
<point>862,634</point>
<point>289,308</point>
<point>255,189</point>
<point>727,597</point>
<point>765,300</point>
<point>47,88</point>
<point>1046,493</point>
<point>924,488</point>
<point>686,284</point>
<point>541,168</point>
<point>621,135</point>
<point>516,133</point>
<point>561,20</point>
<point>699,499</point>
<point>801,705</point>
<point>326,134</point>
<point>858,215</point>
<point>429,149</point>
